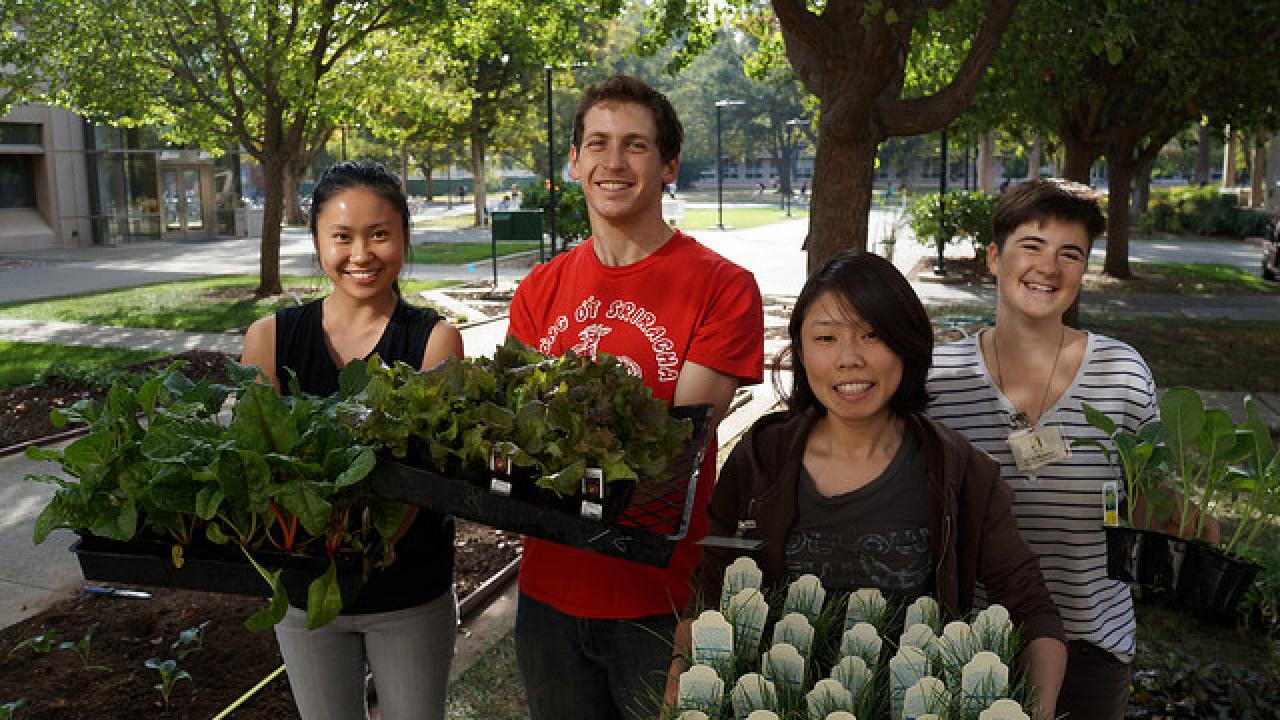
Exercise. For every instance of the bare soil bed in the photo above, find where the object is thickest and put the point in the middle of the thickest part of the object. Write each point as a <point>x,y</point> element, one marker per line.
<point>114,683</point>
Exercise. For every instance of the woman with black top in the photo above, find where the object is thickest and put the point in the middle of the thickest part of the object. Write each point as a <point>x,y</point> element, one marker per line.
<point>403,621</point>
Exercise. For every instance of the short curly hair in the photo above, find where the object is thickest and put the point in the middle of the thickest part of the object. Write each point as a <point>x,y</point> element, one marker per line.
<point>627,89</point>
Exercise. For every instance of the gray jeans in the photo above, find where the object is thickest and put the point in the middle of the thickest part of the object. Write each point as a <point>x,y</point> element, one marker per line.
<point>408,651</point>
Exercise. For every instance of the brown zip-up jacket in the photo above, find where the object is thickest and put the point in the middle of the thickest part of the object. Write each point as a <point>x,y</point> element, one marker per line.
<point>973,535</point>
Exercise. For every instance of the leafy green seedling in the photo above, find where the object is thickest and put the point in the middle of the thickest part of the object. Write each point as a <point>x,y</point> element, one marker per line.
<point>39,644</point>
<point>169,676</point>
<point>9,710</point>
<point>83,647</point>
<point>189,641</point>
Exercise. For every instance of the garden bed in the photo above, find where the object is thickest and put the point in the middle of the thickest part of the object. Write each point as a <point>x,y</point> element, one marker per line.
<point>129,631</point>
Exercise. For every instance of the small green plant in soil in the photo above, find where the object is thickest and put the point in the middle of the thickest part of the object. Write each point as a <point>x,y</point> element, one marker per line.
<point>170,674</point>
<point>9,710</point>
<point>189,641</point>
<point>39,645</point>
<point>83,648</point>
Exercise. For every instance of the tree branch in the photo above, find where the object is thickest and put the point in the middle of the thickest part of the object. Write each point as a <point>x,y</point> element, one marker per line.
<point>916,116</point>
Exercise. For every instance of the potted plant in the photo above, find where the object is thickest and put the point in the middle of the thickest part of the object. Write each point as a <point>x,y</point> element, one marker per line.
<point>1206,461</point>
<point>1139,461</point>
<point>165,490</point>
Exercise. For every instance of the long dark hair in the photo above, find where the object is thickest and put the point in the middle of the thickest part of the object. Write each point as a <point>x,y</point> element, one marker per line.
<point>385,184</point>
<point>883,299</point>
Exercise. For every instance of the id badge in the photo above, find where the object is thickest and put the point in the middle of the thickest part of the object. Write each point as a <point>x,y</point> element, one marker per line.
<point>1033,448</point>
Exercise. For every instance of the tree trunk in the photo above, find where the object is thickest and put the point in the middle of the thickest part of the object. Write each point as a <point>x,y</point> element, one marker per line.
<point>1229,159</point>
<point>292,202</point>
<point>1080,159</point>
<point>477,171</point>
<point>1258,173</point>
<point>273,172</point>
<point>1117,262</point>
<point>1033,157</point>
<point>1142,191</point>
<point>843,172</point>
<point>424,164</point>
<point>987,161</point>
<point>404,167</point>
<point>1201,174</point>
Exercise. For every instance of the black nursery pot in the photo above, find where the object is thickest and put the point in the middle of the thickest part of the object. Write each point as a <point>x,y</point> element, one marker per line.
<point>1164,558</point>
<point>1124,553</point>
<point>211,568</point>
<point>1213,582</point>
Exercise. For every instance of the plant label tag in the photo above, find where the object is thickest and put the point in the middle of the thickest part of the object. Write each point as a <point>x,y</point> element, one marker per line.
<point>499,463</point>
<point>591,510</point>
<point>593,484</point>
<point>498,486</point>
<point>1033,448</point>
<point>1110,503</point>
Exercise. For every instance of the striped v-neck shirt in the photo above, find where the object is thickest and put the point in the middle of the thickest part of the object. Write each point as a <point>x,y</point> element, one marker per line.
<point>1059,507</point>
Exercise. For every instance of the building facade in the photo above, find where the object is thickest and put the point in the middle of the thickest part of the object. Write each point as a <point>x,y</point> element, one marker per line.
<point>65,183</point>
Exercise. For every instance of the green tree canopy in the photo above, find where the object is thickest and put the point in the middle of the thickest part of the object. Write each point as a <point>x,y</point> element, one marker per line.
<point>269,77</point>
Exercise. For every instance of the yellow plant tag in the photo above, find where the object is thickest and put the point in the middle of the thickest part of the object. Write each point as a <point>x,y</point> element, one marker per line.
<point>176,553</point>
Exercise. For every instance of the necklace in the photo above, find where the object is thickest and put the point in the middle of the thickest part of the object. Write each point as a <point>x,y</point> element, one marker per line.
<point>1019,418</point>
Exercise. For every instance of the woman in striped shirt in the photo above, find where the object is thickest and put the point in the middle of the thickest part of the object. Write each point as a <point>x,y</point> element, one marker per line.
<point>1016,390</point>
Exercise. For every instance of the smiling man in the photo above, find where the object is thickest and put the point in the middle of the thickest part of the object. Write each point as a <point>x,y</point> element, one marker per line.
<point>593,633</point>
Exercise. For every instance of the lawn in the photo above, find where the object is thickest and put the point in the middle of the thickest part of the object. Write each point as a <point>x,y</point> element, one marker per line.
<point>24,362</point>
<point>1219,354</point>
<point>1181,279</point>
<point>223,304</point>
<point>737,218</point>
<point>491,688</point>
<point>1204,354</point>
<point>448,222</point>
<point>457,253</point>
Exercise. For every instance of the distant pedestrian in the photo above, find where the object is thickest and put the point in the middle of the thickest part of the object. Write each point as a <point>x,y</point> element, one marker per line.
<point>462,192</point>
<point>804,189</point>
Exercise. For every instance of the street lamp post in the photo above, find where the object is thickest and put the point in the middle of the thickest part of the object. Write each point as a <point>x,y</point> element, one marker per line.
<point>551,158</point>
<point>720,164</point>
<point>940,268</point>
<point>791,162</point>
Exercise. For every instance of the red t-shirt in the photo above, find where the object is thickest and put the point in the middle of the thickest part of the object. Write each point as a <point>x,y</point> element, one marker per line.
<point>683,302</point>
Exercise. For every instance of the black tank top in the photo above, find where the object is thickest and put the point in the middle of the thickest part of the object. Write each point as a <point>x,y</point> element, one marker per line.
<point>424,556</point>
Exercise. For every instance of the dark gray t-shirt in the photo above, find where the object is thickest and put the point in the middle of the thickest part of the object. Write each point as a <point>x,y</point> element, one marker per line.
<point>876,536</point>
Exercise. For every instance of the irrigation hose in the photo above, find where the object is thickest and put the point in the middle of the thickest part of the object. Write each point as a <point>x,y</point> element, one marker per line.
<point>245,697</point>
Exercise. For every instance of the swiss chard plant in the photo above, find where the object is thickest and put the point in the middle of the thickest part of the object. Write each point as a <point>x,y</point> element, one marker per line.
<point>1204,443</point>
<point>1257,487</point>
<point>1140,459</point>
<point>282,472</point>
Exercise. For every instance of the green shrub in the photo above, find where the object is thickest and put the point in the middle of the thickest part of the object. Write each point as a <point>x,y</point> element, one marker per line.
<point>968,218</point>
<point>1200,211</point>
<point>572,224</point>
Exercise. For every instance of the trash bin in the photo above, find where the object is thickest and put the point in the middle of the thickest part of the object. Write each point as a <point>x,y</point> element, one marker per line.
<point>517,225</point>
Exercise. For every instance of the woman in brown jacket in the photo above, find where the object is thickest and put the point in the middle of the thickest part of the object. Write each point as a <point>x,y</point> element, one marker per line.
<point>852,482</point>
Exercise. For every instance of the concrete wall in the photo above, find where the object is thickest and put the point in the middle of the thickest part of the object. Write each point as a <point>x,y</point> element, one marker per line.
<point>61,219</point>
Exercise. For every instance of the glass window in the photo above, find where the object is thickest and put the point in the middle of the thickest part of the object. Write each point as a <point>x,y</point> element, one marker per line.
<point>20,134</point>
<point>142,184</point>
<point>17,181</point>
